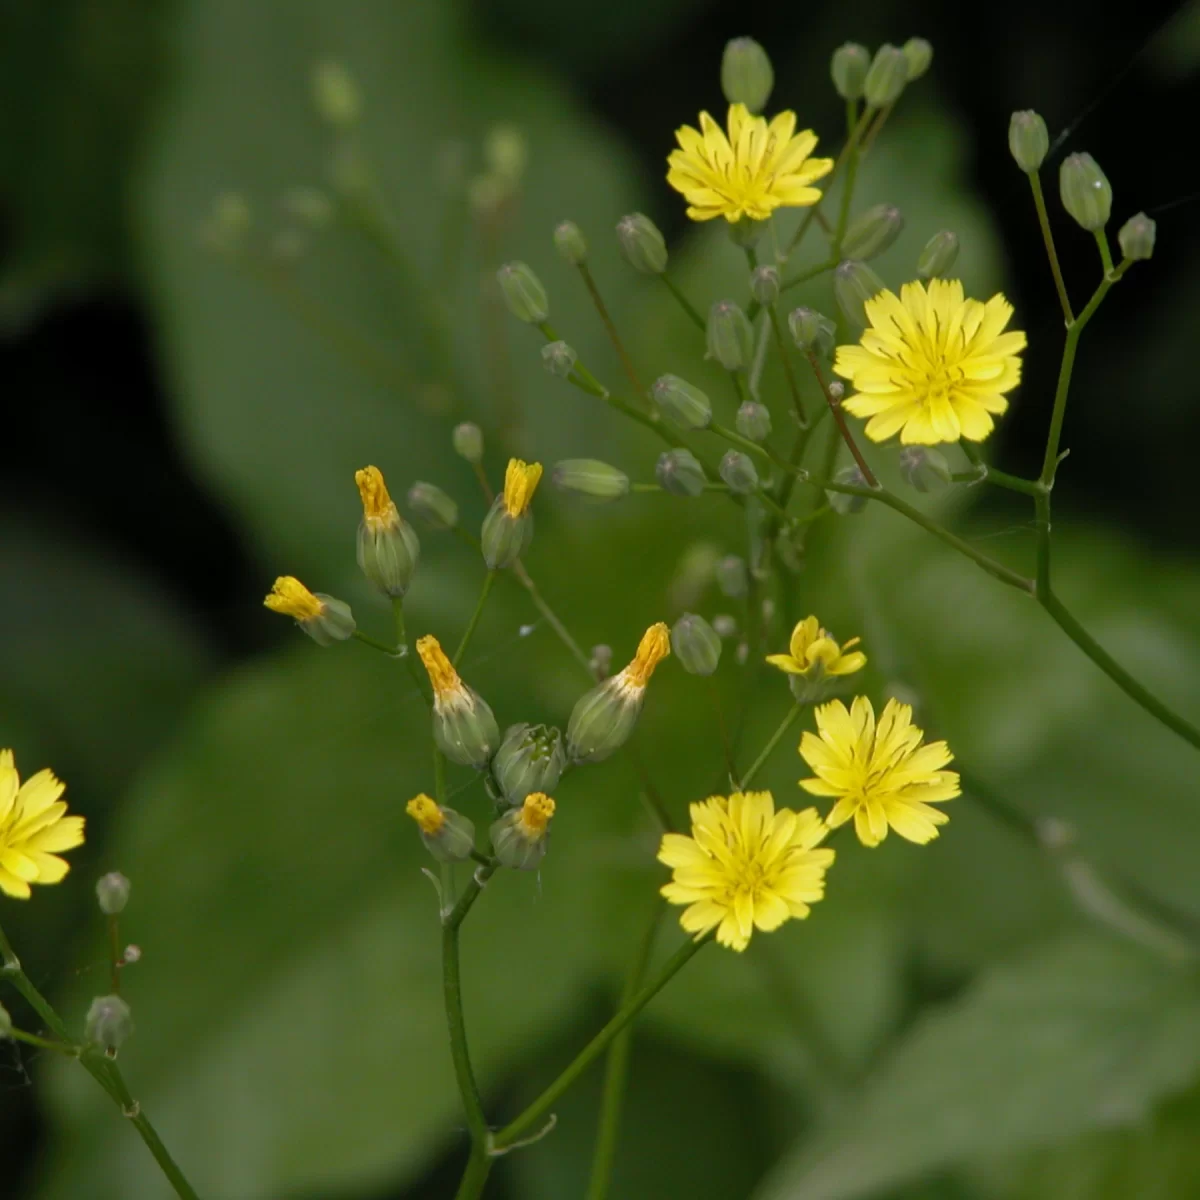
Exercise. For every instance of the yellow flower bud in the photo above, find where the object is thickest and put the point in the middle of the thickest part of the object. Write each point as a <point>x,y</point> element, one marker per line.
<point>388,547</point>
<point>447,835</point>
<point>325,619</point>
<point>508,527</point>
<point>519,836</point>
<point>464,727</point>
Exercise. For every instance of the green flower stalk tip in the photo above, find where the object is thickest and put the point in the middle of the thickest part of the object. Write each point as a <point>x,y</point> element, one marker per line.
<point>531,758</point>
<point>559,359</point>
<point>732,576</point>
<point>938,256</point>
<point>747,76</point>
<point>1028,140</point>
<point>753,421</point>
<point>335,95</point>
<point>642,244</point>
<point>523,293</point>
<point>854,283</point>
<point>681,403</point>
<point>112,893</point>
<point>109,1023</point>
<point>680,473</point>
<point>738,472</point>
<point>764,285</point>
<point>872,232</point>
<point>432,505</point>
<point>812,331</point>
<point>696,644</point>
<point>591,478</point>
<point>468,441</point>
<point>848,69</point>
<point>1136,237</point>
<point>886,77</point>
<point>918,54</point>
<point>570,243</point>
<point>729,336</point>
<point>1085,191</point>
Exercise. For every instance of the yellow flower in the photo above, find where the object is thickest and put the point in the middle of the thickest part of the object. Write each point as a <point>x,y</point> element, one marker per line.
<point>448,686</point>
<point>519,838</point>
<point>813,652</point>
<point>745,866</point>
<point>535,814</point>
<point>652,649</point>
<point>751,172</point>
<point>428,816</point>
<point>880,773</point>
<point>379,510</point>
<point>290,597</point>
<point>33,829</point>
<point>520,482</point>
<point>932,365</point>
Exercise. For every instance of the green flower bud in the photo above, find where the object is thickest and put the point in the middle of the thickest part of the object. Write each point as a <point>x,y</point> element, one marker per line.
<point>519,837</point>
<point>335,95</point>
<point>938,256</point>
<point>559,359</point>
<point>506,151</point>
<point>738,472</point>
<point>1028,140</point>
<point>1085,191</point>
<point>840,502</point>
<point>746,74</point>
<point>924,468</point>
<point>732,576</point>
<point>849,68</point>
<point>872,232</point>
<point>388,547</point>
<point>432,505</point>
<point>642,244</point>
<point>729,335</point>
<point>112,892</point>
<point>854,283</point>
<point>468,441</point>
<point>464,727</point>
<point>753,421</point>
<point>590,477</point>
<point>1137,237</point>
<point>918,54</point>
<point>812,330</point>
<point>109,1023</point>
<point>887,77</point>
<point>570,242</point>
<point>504,537</point>
<point>600,660</point>
<point>724,625</point>
<point>523,293</point>
<point>680,473</point>
<point>696,644</point>
<point>6,1025</point>
<point>446,834</point>
<point>531,758</point>
<point>309,205</point>
<point>764,285</point>
<point>335,624</point>
<point>681,403</point>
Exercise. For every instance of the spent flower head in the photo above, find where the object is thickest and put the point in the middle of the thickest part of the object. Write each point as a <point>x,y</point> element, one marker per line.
<point>34,829</point>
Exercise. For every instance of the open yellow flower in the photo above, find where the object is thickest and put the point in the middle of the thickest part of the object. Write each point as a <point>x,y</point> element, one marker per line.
<point>34,828</point>
<point>932,366</point>
<point>880,774</point>
<point>813,652</point>
<point>745,867</point>
<point>750,172</point>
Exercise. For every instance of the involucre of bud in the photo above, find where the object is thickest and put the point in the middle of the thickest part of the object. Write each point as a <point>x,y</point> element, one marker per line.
<point>938,256</point>
<point>924,468</point>
<point>872,232</point>
<point>1028,140</point>
<point>590,477</point>
<point>504,537</point>
<point>732,576</point>
<point>746,74</point>
<point>848,68</point>
<point>696,644</point>
<point>1085,191</point>
<point>447,835</point>
<point>841,502</point>
<point>738,472</point>
<point>433,505</point>
<point>468,441</point>
<point>764,285</point>
<point>812,330</point>
<point>854,283</point>
<point>531,758</point>
<point>335,95</point>
<point>1137,237</point>
<point>112,893</point>
<point>559,359</point>
<point>523,293</point>
<point>570,242</point>
<point>918,54</point>
<point>729,336</point>
<point>681,403</point>
<point>887,76</point>
<point>753,421</point>
<point>387,555</point>
<point>680,473</point>
<point>602,720</point>
<point>642,244</point>
<point>335,623</point>
<point>109,1023</point>
<point>465,730</point>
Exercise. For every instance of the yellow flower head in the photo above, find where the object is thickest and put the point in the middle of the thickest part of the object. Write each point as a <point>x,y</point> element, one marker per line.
<point>534,817</point>
<point>813,652</point>
<point>880,774</point>
<point>379,510</point>
<point>447,686</point>
<point>652,649</point>
<point>751,172</point>
<point>520,482</point>
<point>745,866</point>
<point>427,814</point>
<point>290,597</point>
<point>34,827</point>
<point>932,366</point>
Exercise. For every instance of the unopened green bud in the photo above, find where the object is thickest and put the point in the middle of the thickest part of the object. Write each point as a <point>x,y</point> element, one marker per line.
<point>753,421</point>
<point>924,468</point>
<point>559,359</point>
<point>523,293</point>
<point>764,285</point>
<point>531,758</point>
<point>812,330</point>
<point>746,74</point>
<point>6,1025</point>
<point>446,834</point>
<point>388,547</point>
<point>1028,140</point>
<point>729,335</point>
<point>696,644</point>
<point>842,502</point>
<point>506,151</point>
<point>504,537</point>
<point>738,472</point>
<point>464,727</point>
<point>112,891</point>
<point>335,95</point>
<point>849,68</point>
<point>570,242</point>
<point>732,576</point>
<point>854,283</point>
<point>1085,191</point>
<point>938,256</point>
<point>310,205</point>
<point>918,54</point>
<point>680,473</point>
<point>432,505</point>
<point>468,441</point>
<point>1137,237</point>
<point>887,76</point>
<point>642,244</point>
<point>109,1023</point>
<point>519,837</point>
<point>590,477</point>
<point>872,232</point>
<point>682,403</point>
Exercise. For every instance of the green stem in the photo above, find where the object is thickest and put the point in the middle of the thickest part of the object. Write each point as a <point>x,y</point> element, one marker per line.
<point>839,417</point>
<point>485,591</point>
<point>376,644</point>
<point>722,727</point>
<point>985,473</point>
<point>539,602</point>
<point>789,374</point>
<point>1105,252</point>
<point>784,726</point>
<point>479,1167</point>
<point>532,1115</point>
<point>410,661</point>
<point>656,487</point>
<point>31,1039</point>
<point>613,336</point>
<point>684,303</point>
<point>1039,202</point>
<point>803,277</point>
<point>839,232</point>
